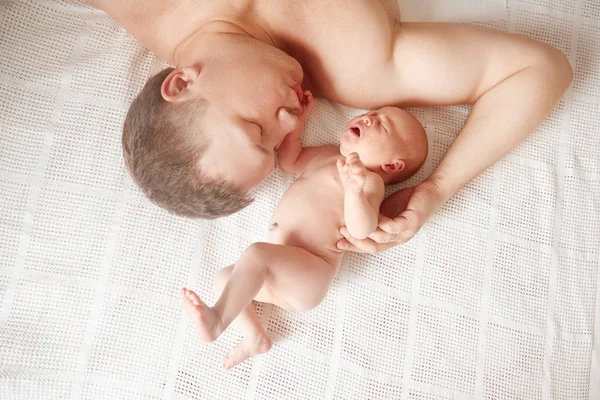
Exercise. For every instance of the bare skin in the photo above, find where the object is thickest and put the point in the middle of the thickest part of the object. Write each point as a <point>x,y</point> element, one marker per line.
<point>296,267</point>
<point>245,56</point>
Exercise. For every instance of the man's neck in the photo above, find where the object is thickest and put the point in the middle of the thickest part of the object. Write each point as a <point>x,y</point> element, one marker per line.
<point>167,27</point>
<point>197,44</point>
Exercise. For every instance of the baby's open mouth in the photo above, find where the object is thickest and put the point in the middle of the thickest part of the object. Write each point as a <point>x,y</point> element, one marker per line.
<point>355,130</point>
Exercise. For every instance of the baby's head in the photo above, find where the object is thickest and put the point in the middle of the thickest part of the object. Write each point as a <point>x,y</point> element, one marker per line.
<point>389,141</point>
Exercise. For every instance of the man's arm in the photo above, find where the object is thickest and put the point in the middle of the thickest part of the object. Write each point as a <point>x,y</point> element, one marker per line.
<point>513,83</point>
<point>363,193</point>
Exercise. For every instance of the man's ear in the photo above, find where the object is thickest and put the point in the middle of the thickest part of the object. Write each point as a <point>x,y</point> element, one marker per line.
<point>395,166</point>
<point>176,86</point>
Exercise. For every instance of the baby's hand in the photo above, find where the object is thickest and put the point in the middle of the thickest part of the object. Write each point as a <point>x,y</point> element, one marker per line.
<point>353,173</point>
<point>307,105</point>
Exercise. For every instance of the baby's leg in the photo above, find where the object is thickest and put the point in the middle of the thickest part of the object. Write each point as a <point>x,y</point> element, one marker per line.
<point>297,276</point>
<point>256,340</point>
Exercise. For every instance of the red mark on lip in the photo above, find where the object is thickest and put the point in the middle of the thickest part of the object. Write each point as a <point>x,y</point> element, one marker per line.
<point>298,89</point>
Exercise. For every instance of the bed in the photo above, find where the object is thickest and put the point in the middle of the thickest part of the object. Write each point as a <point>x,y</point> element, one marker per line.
<point>497,297</point>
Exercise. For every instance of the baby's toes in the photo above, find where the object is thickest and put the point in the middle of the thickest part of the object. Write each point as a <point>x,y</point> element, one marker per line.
<point>194,298</point>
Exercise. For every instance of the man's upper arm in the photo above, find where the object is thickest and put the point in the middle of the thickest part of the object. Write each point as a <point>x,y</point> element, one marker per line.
<point>439,64</point>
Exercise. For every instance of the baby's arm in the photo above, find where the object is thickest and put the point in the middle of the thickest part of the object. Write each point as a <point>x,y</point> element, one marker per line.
<point>363,193</point>
<point>295,161</point>
<point>292,156</point>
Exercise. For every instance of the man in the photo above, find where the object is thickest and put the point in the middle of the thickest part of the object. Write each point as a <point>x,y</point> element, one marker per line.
<point>197,133</point>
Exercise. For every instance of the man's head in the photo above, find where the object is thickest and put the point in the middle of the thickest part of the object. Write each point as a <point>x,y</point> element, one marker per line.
<point>389,141</point>
<point>162,144</point>
<point>198,138</point>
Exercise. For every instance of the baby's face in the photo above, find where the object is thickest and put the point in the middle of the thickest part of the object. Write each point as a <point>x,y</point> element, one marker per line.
<point>379,136</point>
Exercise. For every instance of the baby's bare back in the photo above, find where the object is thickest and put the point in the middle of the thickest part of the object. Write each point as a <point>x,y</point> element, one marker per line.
<point>311,211</point>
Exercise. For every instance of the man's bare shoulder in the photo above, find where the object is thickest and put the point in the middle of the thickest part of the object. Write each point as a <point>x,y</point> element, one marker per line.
<point>134,9</point>
<point>153,22</point>
<point>344,46</point>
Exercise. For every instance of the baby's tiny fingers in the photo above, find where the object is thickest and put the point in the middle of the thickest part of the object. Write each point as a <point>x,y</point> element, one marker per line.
<point>308,98</point>
<point>357,168</point>
<point>352,158</point>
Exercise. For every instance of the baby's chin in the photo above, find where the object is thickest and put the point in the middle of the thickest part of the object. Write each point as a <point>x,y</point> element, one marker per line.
<point>343,150</point>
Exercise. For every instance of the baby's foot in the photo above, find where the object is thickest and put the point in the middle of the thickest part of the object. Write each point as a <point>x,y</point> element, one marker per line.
<point>207,321</point>
<point>249,347</point>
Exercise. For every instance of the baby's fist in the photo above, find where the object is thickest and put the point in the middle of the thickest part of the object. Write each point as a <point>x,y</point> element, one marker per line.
<point>307,104</point>
<point>353,173</point>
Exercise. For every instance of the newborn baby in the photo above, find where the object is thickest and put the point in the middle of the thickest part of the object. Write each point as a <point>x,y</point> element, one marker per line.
<point>337,186</point>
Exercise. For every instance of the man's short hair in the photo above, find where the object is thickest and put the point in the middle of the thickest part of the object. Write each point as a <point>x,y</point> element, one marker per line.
<point>162,145</point>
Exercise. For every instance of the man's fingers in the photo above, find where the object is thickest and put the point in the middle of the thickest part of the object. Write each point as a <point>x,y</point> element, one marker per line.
<point>400,229</point>
<point>380,236</point>
<point>345,245</point>
<point>406,225</point>
<point>357,245</point>
<point>387,224</point>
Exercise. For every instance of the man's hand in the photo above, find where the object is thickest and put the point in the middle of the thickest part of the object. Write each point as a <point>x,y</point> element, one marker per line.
<point>353,173</point>
<point>402,215</point>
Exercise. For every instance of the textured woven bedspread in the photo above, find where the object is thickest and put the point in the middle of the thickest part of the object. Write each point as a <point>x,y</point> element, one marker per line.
<point>497,296</point>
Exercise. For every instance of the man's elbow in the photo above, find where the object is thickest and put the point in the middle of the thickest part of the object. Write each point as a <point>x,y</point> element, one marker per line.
<point>557,66</point>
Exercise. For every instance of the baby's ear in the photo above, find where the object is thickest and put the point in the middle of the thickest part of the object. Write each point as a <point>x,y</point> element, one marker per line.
<point>176,86</point>
<point>395,166</point>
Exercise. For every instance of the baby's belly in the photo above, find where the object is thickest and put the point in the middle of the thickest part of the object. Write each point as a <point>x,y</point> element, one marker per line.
<point>313,240</point>
<point>309,221</point>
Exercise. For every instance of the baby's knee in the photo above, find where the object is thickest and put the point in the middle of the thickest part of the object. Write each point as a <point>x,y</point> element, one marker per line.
<point>256,253</point>
<point>309,304</point>
<point>315,296</point>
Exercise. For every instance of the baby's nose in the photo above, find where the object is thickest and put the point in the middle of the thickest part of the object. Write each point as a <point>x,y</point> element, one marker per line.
<point>367,120</point>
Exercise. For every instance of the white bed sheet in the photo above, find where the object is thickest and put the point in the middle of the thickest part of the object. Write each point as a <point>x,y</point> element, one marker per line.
<point>496,297</point>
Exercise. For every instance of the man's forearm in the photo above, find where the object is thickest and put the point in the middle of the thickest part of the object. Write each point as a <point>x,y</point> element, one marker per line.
<point>502,118</point>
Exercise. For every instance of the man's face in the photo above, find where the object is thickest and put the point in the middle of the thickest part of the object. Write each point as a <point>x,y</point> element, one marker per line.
<point>254,101</point>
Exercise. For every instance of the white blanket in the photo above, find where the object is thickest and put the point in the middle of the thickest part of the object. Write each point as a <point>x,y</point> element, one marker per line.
<point>496,297</point>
